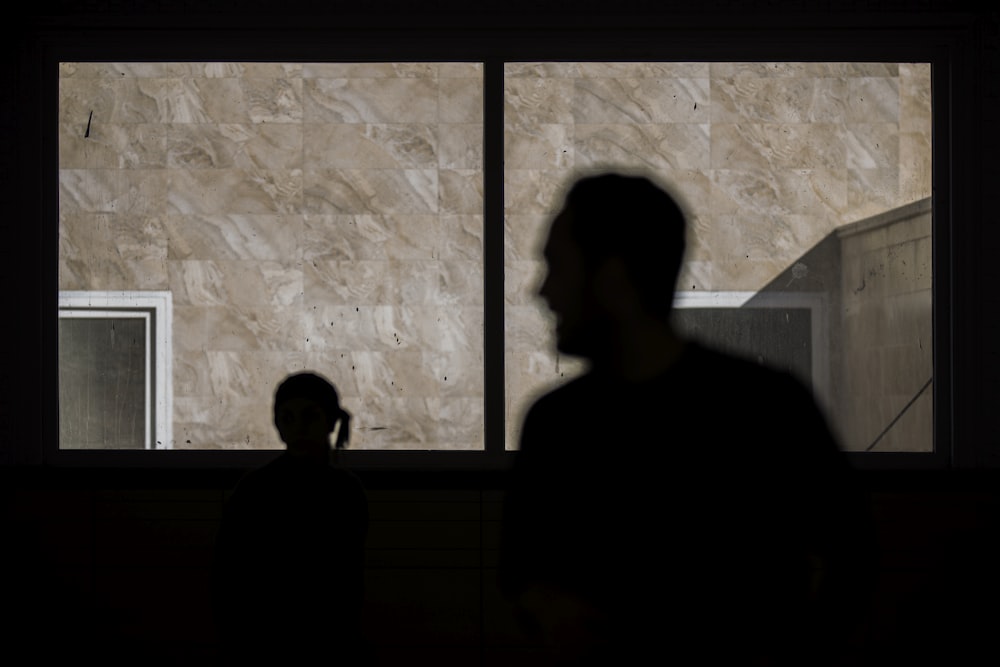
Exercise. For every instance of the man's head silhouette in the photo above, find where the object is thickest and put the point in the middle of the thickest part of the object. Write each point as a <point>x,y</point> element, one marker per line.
<point>613,255</point>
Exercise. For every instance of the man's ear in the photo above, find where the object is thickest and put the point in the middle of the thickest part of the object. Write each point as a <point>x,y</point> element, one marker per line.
<point>614,289</point>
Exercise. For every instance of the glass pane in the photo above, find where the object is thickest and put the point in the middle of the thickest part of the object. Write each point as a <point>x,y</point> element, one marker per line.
<point>809,186</point>
<point>304,216</point>
<point>103,383</point>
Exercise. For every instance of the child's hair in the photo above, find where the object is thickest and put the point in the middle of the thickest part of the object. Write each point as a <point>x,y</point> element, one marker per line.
<point>317,388</point>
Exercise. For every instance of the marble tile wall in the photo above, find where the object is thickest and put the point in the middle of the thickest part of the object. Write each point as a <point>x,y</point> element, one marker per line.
<point>304,216</point>
<point>769,159</point>
<point>329,216</point>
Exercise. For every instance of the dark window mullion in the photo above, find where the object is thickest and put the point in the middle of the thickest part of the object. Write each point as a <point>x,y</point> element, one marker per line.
<point>493,264</point>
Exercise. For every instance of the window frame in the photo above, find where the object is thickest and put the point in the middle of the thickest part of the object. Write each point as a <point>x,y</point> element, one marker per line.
<point>156,308</point>
<point>814,302</point>
<point>945,45</point>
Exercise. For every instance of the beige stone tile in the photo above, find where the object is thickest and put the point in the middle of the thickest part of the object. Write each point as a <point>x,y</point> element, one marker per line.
<point>640,100</point>
<point>524,237</point>
<point>915,171</point>
<point>653,146</point>
<point>786,100</point>
<point>198,146</point>
<point>391,374</point>
<point>235,191</point>
<point>528,327</point>
<point>349,237</point>
<point>872,145</point>
<point>220,146</point>
<point>757,70</point>
<point>533,191</point>
<point>103,238</point>
<point>544,69</point>
<point>254,70</point>
<point>235,282</point>
<point>90,190</point>
<point>391,423</point>
<point>915,108</point>
<point>205,100</point>
<point>242,375</point>
<point>191,371</point>
<point>146,274</point>
<point>538,100</point>
<point>223,423</point>
<point>776,147</point>
<point>776,194</point>
<point>456,374</point>
<point>460,191</point>
<point>371,146</point>
<point>373,70</point>
<point>872,100</point>
<point>463,237</point>
<point>230,327</point>
<point>371,100</point>
<point>112,146</point>
<point>410,282</point>
<point>352,283</point>
<point>135,70</point>
<point>447,328</point>
<point>460,146</point>
<point>871,191</point>
<point>230,236</point>
<point>80,99</point>
<point>522,280</point>
<point>459,70</point>
<point>460,100</point>
<point>403,237</point>
<point>538,146</point>
<point>656,70</point>
<point>272,100</point>
<point>371,191</point>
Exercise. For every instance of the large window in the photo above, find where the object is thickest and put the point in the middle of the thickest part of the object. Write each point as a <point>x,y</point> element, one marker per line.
<point>303,216</point>
<point>809,180</point>
<point>335,217</point>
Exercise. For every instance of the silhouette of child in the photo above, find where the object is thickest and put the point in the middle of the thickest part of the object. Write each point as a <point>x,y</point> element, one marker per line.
<point>289,569</point>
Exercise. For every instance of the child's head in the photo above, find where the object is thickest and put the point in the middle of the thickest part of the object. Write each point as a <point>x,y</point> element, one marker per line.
<point>307,410</point>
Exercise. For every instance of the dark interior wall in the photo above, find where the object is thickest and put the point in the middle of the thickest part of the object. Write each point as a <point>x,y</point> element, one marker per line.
<point>115,566</point>
<point>114,563</point>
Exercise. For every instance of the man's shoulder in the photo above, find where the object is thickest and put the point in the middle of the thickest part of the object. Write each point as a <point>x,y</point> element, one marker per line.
<point>571,392</point>
<point>699,363</point>
<point>709,364</point>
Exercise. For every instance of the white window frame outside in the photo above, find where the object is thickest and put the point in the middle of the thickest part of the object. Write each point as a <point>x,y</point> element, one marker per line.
<point>815,302</point>
<point>155,305</point>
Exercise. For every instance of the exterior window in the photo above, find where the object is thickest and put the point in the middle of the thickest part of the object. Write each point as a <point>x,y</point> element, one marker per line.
<point>115,370</point>
<point>807,183</point>
<point>319,216</point>
<point>787,330</point>
<point>332,216</point>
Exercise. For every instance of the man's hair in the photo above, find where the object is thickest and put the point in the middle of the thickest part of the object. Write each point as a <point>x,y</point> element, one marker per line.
<point>633,218</point>
<point>315,387</point>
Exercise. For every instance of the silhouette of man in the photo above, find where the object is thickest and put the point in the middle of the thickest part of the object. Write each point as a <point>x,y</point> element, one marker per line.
<point>289,570</point>
<point>673,502</point>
